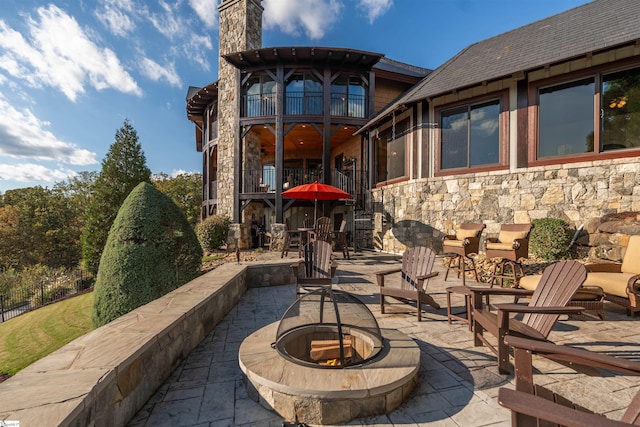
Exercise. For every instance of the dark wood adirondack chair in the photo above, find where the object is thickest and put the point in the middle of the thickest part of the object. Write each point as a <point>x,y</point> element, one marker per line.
<point>318,266</point>
<point>340,239</point>
<point>290,237</point>
<point>558,284</point>
<point>533,405</point>
<point>417,264</point>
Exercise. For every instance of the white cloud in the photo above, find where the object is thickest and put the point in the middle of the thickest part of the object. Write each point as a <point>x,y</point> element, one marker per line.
<point>374,8</point>
<point>168,23</point>
<point>60,54</point>
<point>24,136</point>
<point>29,172</point>
<point>157,72</point>
<point>115,20</point>
<point>313,17</point>
<point>207,11</point>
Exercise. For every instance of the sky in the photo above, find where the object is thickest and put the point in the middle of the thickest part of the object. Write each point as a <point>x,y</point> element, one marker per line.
<point>72,71</point>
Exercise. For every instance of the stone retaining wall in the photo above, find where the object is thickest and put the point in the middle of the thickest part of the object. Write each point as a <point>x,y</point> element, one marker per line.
<point>106,376</point>
<point>423,211</point>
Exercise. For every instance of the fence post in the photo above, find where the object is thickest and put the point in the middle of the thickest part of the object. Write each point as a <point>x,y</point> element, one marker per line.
<point>2,307</point>
<point>41,294</point>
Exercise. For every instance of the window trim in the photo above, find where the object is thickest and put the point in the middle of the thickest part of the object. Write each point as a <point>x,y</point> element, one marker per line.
<point>503,138</point>
<point>534,118</point>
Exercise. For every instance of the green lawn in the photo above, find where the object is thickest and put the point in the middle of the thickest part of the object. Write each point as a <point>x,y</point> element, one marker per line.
<point>29,337</point>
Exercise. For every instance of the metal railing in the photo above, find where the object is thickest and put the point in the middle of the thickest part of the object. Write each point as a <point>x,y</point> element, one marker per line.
<point>299,103</point>
<point>21,300</point>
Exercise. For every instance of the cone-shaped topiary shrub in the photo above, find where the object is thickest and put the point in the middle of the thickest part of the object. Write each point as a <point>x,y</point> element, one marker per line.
<point>550,238</point>
<point>151,250</point>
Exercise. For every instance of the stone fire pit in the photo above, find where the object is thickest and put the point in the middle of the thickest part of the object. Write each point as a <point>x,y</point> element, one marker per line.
<point>291,366</point>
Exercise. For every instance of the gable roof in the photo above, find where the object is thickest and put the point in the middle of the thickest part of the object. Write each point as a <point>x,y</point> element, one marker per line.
<point>595,26</point>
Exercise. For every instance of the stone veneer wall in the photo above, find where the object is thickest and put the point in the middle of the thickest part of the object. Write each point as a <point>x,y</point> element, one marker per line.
<point>104,377</point>
<point>422,211</point>
<point>240,30</point>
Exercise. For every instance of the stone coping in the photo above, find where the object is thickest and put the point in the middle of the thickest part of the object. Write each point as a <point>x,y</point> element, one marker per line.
<point>104,377</point>
<point>330,395</point>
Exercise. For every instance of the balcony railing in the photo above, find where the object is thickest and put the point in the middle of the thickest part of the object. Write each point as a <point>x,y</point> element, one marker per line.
<point>307,103</point>
<point>263,181</point>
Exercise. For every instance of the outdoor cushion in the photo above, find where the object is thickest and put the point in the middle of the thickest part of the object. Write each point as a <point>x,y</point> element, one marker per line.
<point>593,292</point>
<point>453,243</point>
<point>630,262</point>
<point>511,236</point>
<point>611,283</point>
<point>500,246</point>
<point>463,234</point>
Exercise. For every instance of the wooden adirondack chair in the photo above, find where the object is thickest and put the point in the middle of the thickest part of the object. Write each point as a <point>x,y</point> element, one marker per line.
<point>340,239</point>
<point>558,284</point>
<point>319,266</point>
<point>324,229</point>
<point>532,405</point>
<point>417,264</point>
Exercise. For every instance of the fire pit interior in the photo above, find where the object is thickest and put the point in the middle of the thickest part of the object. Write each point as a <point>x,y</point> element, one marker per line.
<point>328,328</point>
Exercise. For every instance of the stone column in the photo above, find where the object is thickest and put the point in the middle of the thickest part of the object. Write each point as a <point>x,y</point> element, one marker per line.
<point>240,30</point>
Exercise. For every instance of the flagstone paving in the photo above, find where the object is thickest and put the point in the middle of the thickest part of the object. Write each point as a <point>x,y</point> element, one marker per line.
<point>458,383</point>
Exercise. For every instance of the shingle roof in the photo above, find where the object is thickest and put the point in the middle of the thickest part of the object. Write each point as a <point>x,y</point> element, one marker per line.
<point>594,26</point>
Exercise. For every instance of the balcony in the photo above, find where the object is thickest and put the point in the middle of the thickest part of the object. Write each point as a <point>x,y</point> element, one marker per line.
<point>307,103</point>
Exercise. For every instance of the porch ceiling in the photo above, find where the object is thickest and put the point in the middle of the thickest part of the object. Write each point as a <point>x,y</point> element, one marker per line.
<point>302,138</point>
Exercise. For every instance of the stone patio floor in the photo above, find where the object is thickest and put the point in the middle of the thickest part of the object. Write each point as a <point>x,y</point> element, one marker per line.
<point>458,383</point>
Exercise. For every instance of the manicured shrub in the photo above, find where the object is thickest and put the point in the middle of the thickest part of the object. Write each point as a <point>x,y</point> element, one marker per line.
<point>550,238</point>
<point>212,232</point>
<point>151,250</point>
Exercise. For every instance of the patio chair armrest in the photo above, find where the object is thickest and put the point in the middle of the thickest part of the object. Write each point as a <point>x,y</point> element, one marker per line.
<point>539,407</point>
<point>296,264</point>
<point>577,356</point>
<point>449,237</point>
<point>604,268</point>
<point>500,291</point>
<point>518,243</point>
<point>518,308</point>
<point>428,276</point>
<point>492,240</point>
<point>390,271</point>
<point>315,281</point>
<point>632,285</point>
<point>381,274</point>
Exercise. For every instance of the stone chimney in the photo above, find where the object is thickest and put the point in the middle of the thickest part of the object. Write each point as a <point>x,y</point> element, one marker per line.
<point>240,30</point>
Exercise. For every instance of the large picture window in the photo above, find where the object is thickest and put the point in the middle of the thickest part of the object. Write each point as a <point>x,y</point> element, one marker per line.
<point>303,94</point>
<point>594,115</point>
<point>391,152</point>
<point>566,119</point>
<point>470,136</point>
<point>620,110</point>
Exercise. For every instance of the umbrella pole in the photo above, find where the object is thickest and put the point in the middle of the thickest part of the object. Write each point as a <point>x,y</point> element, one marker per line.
<point>315,212</point>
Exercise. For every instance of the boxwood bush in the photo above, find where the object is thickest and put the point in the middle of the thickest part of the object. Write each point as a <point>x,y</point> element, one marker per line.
<point>212,232</point>
<point>151,250</point>
<point>550,239</point>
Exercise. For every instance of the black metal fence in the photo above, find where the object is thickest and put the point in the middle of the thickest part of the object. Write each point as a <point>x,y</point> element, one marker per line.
<point>19,301</point>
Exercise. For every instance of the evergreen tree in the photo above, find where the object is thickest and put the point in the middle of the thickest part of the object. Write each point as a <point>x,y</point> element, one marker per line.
<point>123,168</point>
<point>151,250</point>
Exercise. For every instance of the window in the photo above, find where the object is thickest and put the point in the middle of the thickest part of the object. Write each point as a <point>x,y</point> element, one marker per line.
<point>568,116</point>
<point>260,97</point>
<point>566,119</point>
<point>620,110</point>
<point>303,95</point>
<point>348,97</point>
<point>391,152</point>
<point>470,136</point>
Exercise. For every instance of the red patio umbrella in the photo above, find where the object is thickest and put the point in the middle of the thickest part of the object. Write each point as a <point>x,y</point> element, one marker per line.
<point>316,191</point>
